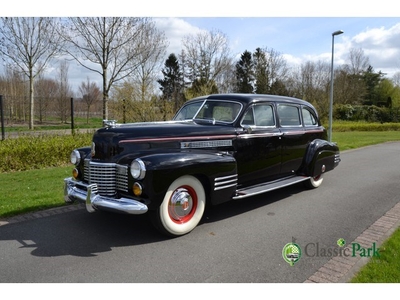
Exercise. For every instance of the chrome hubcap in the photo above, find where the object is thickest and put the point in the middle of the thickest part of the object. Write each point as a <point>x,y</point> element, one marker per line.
<point>181,204</point>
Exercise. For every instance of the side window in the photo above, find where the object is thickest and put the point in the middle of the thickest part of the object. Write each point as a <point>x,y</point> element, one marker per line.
<point>289,115</point>
<point>248,118</point>
<point>263,115</point>
<point>259,115</point>
<point>309,118</point>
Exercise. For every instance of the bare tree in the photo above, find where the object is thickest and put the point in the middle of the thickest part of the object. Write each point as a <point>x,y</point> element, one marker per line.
<point>358,62</point>
<point>145,75</point>
<point>396,79</point>
<point>108,46</point>
<point>46,93</point>
<point>30,43</point>
<point>90,93</point>
<point>13,88</point>
<point>127,107</point>
<point>206,59</point>
<point>64,93</point>
<point>310,82</point>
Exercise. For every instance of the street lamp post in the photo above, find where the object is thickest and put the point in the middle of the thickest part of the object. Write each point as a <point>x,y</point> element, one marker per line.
<point>331,91</point>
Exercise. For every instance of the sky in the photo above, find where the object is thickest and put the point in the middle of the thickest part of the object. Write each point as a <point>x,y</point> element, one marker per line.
<point>299,30</point>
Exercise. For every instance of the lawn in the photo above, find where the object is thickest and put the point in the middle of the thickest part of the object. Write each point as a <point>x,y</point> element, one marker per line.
<point>32,190</point>
<point>385,268</point>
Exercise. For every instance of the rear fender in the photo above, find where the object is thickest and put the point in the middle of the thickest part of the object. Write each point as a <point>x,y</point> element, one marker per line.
<point>321,156</point>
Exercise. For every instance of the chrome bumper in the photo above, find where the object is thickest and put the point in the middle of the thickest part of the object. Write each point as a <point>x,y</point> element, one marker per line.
<point>87,193</point>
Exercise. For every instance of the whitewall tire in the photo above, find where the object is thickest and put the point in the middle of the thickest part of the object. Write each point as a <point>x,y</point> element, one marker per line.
<point>314,182</point>
<point>182,207</point>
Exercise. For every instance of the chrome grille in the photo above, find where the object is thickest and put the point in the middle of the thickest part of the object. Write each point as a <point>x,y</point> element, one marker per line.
<point>109,177</point>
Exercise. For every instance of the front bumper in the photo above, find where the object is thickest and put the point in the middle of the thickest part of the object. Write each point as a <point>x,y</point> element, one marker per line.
<point>87,193</point>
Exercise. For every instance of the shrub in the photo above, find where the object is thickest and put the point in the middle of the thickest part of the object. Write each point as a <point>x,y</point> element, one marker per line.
<point>34,152</point>
<point>369,113</point>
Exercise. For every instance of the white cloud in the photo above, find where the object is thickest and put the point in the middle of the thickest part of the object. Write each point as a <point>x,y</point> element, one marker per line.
<point>175,30</point>
<point>382,47</point>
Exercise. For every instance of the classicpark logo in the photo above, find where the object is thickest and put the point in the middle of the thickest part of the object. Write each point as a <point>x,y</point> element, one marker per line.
<point>292,252</point>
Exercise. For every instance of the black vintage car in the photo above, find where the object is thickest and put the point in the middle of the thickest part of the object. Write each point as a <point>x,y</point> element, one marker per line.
<point>217,148</point>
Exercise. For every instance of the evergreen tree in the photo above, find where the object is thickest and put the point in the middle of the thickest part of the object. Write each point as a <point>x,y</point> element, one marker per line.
<point>245,74</point>
<point>372,81</point>
<point>172,84</point>
<point>261,76</point>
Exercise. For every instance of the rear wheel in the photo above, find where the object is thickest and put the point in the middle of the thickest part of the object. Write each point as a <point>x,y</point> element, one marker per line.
<point>182,207</point>
<point>314,182</point>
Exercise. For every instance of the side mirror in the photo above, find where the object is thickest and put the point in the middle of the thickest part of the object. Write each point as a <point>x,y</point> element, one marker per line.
<point>247,129</point>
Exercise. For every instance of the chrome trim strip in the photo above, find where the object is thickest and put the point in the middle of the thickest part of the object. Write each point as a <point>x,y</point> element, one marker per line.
<point>206,144</point>
<point>183,138</point>
<point>225,177</point>
<point>225,182</point>
<point>224,187</point>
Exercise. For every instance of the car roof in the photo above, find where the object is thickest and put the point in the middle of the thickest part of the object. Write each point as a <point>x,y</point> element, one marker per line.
<point>250,98</point>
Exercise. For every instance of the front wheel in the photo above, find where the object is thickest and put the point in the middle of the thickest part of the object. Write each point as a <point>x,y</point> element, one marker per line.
<point>314,182</point>
<point>182,207</point>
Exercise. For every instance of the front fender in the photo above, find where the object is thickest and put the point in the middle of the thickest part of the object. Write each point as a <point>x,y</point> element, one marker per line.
<point>210,168</point>
<point>321,156</point>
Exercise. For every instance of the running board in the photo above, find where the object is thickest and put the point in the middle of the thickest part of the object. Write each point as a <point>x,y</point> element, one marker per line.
<point>266,187</point>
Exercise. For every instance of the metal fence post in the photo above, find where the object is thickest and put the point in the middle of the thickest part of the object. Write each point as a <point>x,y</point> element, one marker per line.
<point>123,111</point>
<point>2,118</point>
<point>72,115</point>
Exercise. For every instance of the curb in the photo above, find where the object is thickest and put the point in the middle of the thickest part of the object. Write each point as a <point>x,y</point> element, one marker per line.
<point>41,214</point>
<point>341,269</point>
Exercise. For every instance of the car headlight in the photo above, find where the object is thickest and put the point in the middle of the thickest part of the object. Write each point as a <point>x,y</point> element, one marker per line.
<point>138,169</point>
<point>75,157</point>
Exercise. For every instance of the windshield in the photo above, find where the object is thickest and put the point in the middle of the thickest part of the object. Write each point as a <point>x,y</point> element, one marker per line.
<point>188,111</point>
<point>210,110</point>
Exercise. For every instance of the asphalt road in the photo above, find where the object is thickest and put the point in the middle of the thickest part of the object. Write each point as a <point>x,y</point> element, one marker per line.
<point>236,242</point>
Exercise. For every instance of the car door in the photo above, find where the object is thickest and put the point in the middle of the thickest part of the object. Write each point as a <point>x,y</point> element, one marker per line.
<point>294,138</point>
<point>258,146</point>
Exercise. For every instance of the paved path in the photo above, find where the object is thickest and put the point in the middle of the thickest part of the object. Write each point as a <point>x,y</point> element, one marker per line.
<point>338,269</point>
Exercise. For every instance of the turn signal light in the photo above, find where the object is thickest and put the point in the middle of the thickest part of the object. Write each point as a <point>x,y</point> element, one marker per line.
<point>75,173</point>
<point>137,189</point>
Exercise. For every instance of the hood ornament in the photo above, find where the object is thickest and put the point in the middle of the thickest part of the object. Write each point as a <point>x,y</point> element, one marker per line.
<point>109,123</point>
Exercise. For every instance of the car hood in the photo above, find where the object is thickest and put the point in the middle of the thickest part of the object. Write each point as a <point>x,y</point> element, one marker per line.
<point>113,143</point>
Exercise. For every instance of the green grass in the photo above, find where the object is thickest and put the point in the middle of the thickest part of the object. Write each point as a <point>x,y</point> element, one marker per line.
<point>385,268</point>
<point>345,126</point>
<point>32,190</point>
<point>356,139</point>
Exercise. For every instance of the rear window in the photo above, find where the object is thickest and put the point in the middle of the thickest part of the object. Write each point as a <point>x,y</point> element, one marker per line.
<point>309,118</point>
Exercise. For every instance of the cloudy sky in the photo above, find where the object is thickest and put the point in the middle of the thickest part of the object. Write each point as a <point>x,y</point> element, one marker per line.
<point>299,30</point>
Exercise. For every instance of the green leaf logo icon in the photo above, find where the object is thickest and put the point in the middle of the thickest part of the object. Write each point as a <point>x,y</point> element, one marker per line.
<point>341,242</point>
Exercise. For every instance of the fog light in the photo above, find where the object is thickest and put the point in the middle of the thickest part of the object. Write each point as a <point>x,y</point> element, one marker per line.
<point>75,173</point>
<point>137,189</point>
